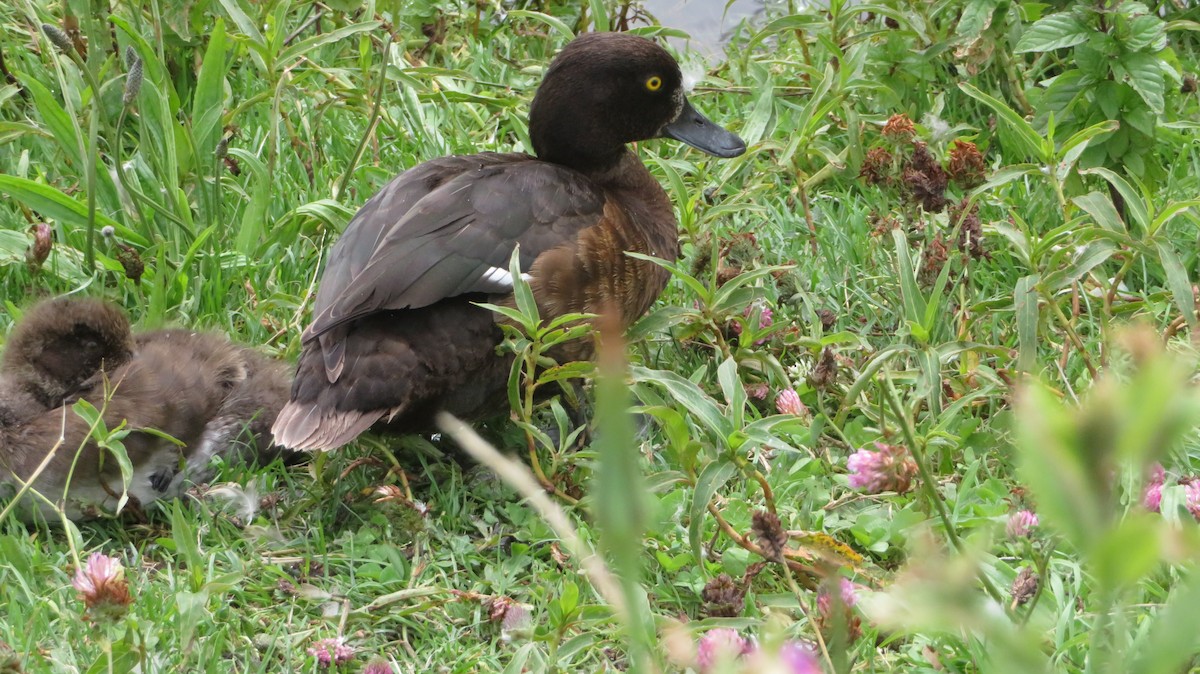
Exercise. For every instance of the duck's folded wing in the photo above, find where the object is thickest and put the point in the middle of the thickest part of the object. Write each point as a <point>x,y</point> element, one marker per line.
<point>456,239</point>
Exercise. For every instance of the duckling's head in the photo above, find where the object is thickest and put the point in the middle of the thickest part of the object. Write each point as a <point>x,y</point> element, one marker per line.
<point>61,343</point>
<point>604,90</point>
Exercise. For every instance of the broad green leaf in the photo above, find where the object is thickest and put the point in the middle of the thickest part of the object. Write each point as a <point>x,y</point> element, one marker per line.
<point>1054,32</point>
<point>703,408</point>
<point>1135,207</point>
<point>304,46</point>
<point>1091,256</point>
<point>1025,305</point>
<point>57,206</point>
<point>62,127</point>
<point>208,103</point>
<point>563,29</point>
<point>1101,208</point>
<point>976,17</point>
<point>732,389</point>
<point>712,478</point>
<point>910,292</point>
<point>760,115</point>
<point>1126,553</point>
<point>1144,73</point>
<point>1146,32</point>
<point>1031,141</point>
<point>599,15</point>
<point>1180,284</point>
<point>1170,211</point>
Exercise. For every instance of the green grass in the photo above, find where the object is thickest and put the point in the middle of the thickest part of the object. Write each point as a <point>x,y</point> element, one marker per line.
<point>250,144</point>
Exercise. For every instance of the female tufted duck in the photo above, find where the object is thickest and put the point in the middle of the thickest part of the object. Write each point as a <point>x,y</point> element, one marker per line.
<point>396,335</point>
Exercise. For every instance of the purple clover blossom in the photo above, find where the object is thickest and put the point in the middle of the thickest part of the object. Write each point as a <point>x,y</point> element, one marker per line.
<point>1021,523</point>
<point>331,651</point>
<point>788,402</point>
<point>719,645</point>
<point>1152,496</point>
<point>377,666</point>
<point>102,587</point>
<point>765,318</point>
<point>825,596</point>
<point>889,468</point>
<point>797,658</point>
<point>1191,493</point>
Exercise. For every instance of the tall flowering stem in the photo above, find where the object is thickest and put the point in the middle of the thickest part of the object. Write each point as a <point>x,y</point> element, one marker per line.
<point>927,483</point>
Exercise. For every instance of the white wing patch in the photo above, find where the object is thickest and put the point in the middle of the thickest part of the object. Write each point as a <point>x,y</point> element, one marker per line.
<point>498,279</point>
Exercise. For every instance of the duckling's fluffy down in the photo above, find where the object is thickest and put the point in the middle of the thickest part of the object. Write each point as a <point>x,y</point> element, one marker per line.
<point>211,396</point>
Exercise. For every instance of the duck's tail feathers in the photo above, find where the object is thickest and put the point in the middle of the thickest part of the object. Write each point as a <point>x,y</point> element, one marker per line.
<point>308,426</point>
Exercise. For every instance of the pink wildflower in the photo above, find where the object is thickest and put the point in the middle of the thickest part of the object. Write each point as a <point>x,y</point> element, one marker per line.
<point>331,651</point>
<point>102,587</point>
<point>825,596</point>
<point>1152,496</point>
<point>887,468</point>
<point>765,318</point>
<point>788,402</point>
<point>798,658</point>
<point>758,391</point>
<point>377,666</point>
<point>831,616</point>
<point>721,645</point>
<point>1021,523</point>
<point>1191,492</point>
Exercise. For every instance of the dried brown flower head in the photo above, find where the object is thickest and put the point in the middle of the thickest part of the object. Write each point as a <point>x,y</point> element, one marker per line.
<point>723,597</point>
<point>1024,586</point>
<point>925,180</point>
<point>769,533</point>
<point>877,167</point>
<point>934,260</point>
<point>828,319</point>
<point>970,231</point>
<point>898,129</point>
<point>966,164</point>
<point>825,371</point>
<point>131,260</point>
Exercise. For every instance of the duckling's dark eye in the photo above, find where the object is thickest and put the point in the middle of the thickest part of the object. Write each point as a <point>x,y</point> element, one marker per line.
<point>654,83</point>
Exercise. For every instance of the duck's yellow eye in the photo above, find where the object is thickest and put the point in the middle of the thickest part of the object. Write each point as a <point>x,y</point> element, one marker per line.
<point>654,83</point>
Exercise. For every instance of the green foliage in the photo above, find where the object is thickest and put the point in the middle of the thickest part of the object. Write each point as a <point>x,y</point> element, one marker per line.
<point>257,130</point>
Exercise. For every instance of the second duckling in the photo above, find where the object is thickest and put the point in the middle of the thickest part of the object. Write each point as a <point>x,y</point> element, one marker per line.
<point>185,398</point>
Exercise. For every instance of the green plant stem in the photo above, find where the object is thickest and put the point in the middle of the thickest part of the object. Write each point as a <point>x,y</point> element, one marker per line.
<point>362,142</point>
<point>91,156</point>
<point>927,482</point>
<point>1043,565</point>
<point>1075,339</point>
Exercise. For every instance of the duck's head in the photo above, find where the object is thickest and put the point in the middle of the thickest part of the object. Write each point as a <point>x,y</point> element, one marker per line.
<point>604,90</point>
<point>61,343</point>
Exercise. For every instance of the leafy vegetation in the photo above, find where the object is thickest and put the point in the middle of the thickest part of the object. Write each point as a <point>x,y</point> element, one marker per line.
<point>897,349</point>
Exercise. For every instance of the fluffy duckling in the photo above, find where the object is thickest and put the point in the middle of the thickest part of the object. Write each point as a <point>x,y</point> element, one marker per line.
<point>56,352</point>
<point>214,397</point>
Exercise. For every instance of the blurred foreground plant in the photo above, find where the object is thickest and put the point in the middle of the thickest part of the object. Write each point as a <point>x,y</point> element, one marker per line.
<point>1128,604</point>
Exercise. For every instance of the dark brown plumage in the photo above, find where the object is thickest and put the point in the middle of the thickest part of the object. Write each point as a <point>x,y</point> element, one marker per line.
<point>395,334</point>
<point>216,398</point>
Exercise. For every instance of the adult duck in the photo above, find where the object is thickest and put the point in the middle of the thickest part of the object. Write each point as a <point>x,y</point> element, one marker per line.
<point>396,335</point>
<point>212,397</point>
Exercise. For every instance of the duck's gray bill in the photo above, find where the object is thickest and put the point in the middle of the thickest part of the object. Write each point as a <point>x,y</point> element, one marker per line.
<point>700,132</point>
